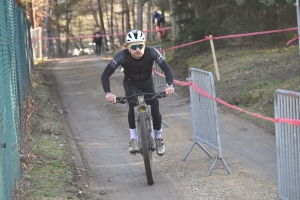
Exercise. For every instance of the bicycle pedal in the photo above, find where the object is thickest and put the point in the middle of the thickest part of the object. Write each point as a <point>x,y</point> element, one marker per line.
<point>152,146</point>
<point>135,152</point>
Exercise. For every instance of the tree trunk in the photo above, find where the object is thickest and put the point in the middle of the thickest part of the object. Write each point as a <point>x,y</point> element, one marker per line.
<point>112,24</point>
<point>175,28</point>
<point>128,27</point>
<point>108,22</point>
<point>58,41</point>
<point>117,30</point>
<point>48,29</point>
<point>31,14</point>
<point>67,29</point>
<point>94,13</point>
<point>102,24</point>
<point>149,20</point>
<point>123,19</point>
<point>200,8</point>
<point>140,15</point>
<point>132,5</point>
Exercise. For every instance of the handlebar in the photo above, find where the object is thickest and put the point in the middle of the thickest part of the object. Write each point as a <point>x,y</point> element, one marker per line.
<point>154,95</point>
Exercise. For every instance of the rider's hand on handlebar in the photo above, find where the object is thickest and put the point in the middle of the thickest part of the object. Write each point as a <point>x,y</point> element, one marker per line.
<point>110,97</point>
<point>169,90</point>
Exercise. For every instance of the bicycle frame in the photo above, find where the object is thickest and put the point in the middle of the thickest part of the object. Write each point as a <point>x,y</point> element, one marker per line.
<point>143,108</point>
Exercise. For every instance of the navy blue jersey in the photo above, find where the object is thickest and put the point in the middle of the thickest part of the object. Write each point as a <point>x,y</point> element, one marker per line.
<point>159,17</point>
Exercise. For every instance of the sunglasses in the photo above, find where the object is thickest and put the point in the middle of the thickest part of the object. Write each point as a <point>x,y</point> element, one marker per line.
<point>135,46</point>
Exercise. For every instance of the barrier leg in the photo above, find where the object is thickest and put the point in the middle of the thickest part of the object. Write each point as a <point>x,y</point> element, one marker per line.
<point>212,167</point>
<point>189,150</point>
<point>214,164</point>
<point>203,148</point>
<point>225,166</point>
<point>165,123</point>
<point>192,146</point>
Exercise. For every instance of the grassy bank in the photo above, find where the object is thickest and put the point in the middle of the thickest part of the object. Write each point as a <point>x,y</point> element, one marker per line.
<point>47,163</point>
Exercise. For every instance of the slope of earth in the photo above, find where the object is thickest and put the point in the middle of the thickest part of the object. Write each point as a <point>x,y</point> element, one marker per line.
<point>249,77</point>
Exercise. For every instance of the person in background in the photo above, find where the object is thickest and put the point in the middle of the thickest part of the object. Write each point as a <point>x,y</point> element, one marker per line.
<point>159,22</point>
<point>137,61</point>
<point>97,39</point>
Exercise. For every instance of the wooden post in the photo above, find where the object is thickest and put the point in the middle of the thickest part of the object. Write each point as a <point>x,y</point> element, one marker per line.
<point>214,57</point>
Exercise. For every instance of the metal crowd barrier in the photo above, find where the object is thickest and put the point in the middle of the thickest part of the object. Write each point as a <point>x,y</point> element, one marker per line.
<point>159,81</point>
<point>36,39</point>
<point>205,116</point>
<point>287,105</point>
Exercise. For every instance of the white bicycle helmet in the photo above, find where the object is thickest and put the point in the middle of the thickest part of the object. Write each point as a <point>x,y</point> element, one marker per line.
<point>135,36</point>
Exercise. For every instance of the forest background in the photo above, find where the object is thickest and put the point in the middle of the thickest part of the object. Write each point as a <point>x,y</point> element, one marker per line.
<point>190,20</point>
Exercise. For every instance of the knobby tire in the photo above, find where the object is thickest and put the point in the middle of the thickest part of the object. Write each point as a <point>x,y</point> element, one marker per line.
<point>147,153</point>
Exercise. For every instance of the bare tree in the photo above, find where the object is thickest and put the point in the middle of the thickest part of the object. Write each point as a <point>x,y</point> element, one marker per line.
<point>123,17</point>
<point>200,8</point>
<point>174,26</point>
<point>50,52</point>
<point>120,37</point>
<point>127,15</point>
<point>67,28</point>
<point>102,23</point>
<point>94,13</point>
<point>111,23</point>
<point>56,23</point>
<point>133,17</point>
<point>140,15</point>
<point>149,19</point>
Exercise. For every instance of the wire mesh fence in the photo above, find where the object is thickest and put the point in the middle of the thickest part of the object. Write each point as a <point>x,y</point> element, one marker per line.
<point>16,64</point>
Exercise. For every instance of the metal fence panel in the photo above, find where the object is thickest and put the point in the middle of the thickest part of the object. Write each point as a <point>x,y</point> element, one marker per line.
<point>205,116</point>
<point>159,81</point>
<point>287,105</point>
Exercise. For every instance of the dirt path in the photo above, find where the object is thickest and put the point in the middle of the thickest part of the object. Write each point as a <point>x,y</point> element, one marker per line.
<point>100,131</point>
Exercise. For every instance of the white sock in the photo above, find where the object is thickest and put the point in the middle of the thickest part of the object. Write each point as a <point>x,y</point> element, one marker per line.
<point>157,133</point>
<point>133,134</point>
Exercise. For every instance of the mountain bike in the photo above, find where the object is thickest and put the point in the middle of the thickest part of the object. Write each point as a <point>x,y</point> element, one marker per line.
<point>144,125</point>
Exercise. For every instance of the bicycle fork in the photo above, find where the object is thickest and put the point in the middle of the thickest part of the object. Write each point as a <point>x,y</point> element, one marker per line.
<point>152,144</point>
<point>151,134</point>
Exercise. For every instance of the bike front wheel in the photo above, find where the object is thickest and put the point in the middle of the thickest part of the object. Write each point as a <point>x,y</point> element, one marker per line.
<point>146,151</point>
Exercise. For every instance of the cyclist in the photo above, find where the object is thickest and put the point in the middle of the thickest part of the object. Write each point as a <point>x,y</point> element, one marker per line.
<point>137,61</point>
<point>97,39</point>
<point>159,20</point>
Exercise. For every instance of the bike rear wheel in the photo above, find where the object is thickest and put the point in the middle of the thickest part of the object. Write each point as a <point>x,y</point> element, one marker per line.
<point>146,151</point>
